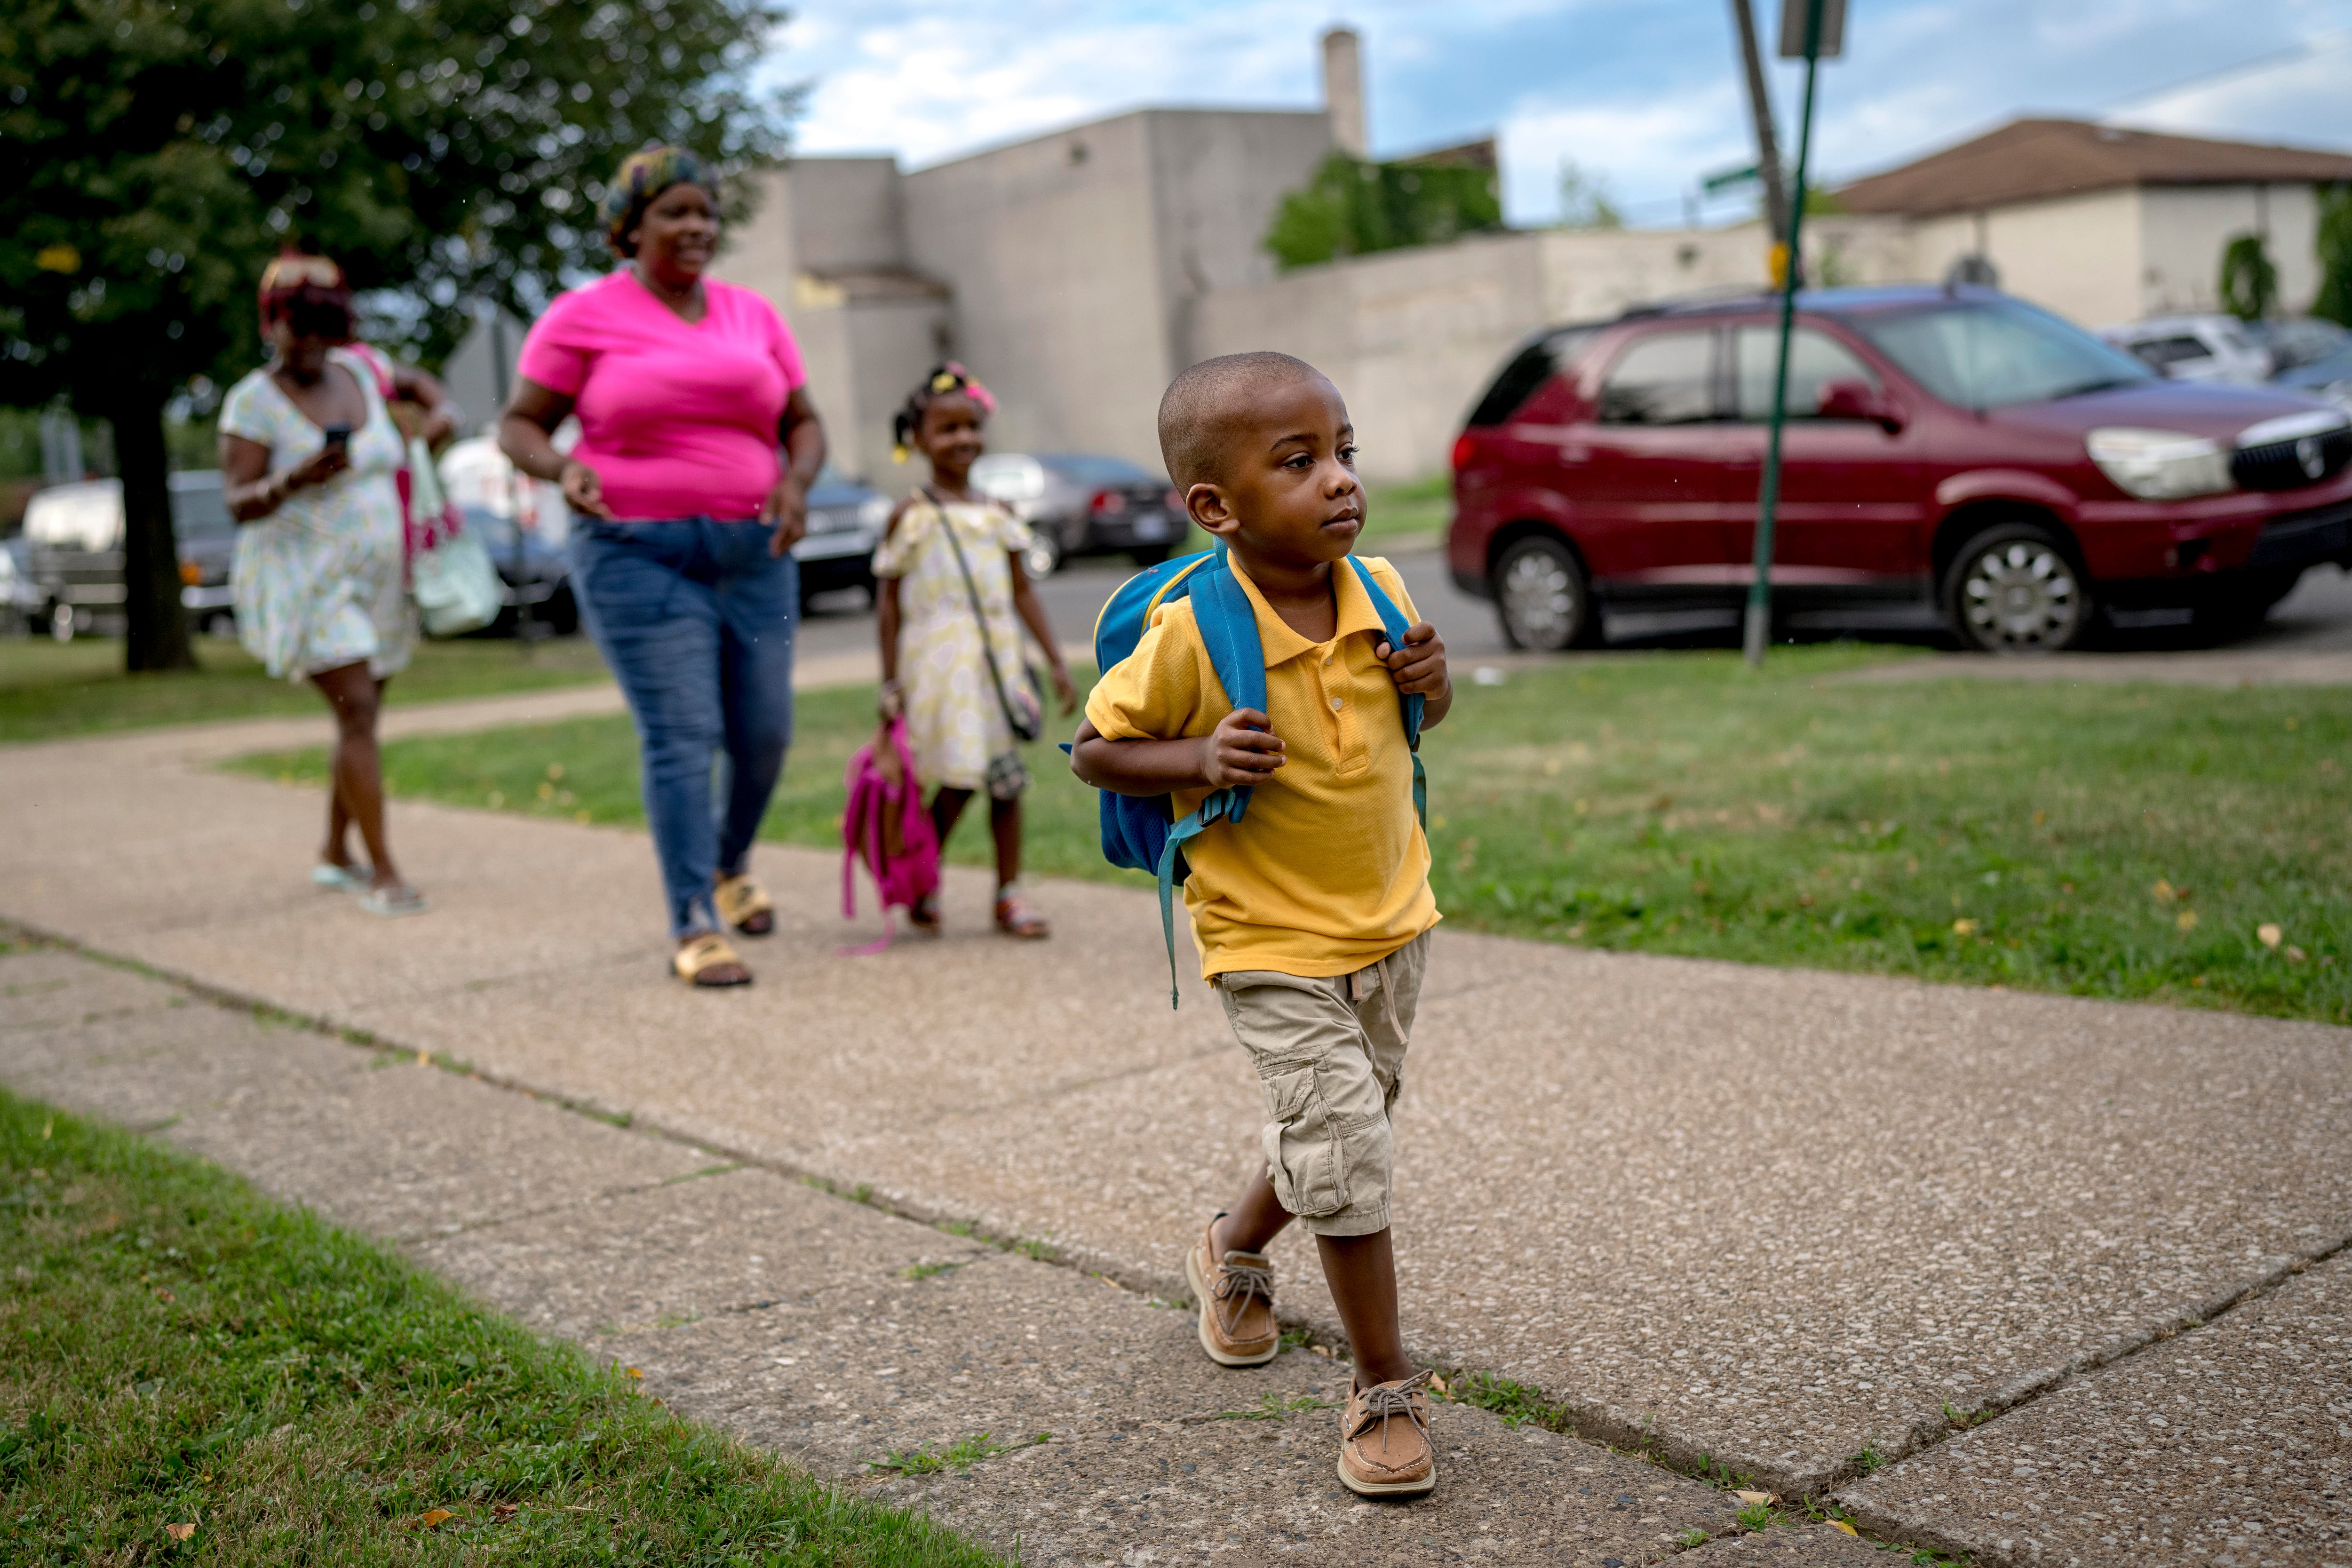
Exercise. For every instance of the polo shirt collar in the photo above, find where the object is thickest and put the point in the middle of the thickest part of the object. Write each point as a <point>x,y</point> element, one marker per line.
<point>1274,632</point>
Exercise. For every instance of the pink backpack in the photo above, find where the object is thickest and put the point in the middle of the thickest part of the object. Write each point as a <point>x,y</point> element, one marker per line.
<point>886,827</point>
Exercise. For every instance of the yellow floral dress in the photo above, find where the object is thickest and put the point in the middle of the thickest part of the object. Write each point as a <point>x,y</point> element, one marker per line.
<point>955,721</point>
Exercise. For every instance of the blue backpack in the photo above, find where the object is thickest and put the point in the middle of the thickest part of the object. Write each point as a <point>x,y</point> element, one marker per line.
<point>1143,832</point>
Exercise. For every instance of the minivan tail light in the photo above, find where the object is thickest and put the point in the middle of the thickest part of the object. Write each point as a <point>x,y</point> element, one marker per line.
<point>1462,450</point>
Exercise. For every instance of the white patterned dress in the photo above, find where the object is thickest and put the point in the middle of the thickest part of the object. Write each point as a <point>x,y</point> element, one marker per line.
<point>954,721</point>
<point>322,581</point>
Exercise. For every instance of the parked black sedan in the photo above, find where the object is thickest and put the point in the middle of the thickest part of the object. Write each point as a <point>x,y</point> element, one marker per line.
<point>1080,504</point>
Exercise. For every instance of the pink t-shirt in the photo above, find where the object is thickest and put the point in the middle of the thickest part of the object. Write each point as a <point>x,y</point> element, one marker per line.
<point>678,420</point>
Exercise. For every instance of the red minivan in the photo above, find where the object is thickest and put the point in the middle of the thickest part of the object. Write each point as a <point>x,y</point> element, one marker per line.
<point>1954,447</point>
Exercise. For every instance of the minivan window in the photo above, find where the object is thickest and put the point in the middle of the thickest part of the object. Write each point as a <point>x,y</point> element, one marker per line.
<point>1989,353</point>
<point>1664,379</point>
<point>1815,359</point>
<point>1528,369</point>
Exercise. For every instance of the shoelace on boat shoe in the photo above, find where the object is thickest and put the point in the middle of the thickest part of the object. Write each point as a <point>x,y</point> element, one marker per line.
<point>1386,1399</point>
<point>1233,1289</point>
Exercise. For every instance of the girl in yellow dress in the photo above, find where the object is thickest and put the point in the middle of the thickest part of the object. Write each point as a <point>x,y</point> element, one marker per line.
<point>952,659</point>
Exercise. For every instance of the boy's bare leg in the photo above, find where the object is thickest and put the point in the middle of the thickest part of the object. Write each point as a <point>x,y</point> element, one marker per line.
<point>1253,1222</point>
<point>1361,1271</point>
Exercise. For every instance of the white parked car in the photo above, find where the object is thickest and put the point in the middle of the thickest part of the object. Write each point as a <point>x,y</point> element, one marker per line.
<point>2196,348</point>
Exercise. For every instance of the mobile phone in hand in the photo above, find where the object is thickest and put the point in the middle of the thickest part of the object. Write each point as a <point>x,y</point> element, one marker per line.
<point>339,435</point>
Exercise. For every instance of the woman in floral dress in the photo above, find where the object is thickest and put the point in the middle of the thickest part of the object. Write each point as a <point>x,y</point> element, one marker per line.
<point>308,455</point>
<point>935,665</point>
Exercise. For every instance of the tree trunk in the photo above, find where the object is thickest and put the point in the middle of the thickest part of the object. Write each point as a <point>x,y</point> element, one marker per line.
<point>156,635</point>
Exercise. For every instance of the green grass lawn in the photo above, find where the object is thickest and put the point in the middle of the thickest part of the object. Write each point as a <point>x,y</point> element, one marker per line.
<point>1402,515</point>
<point>2108,841</point>
<point>192,1373</point>
<point>49,690</point>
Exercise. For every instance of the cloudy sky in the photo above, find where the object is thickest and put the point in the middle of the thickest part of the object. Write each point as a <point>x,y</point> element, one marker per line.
<point>1644,93</point>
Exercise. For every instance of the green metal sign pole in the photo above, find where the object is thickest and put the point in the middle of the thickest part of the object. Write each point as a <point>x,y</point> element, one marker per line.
<point>1768,498</point>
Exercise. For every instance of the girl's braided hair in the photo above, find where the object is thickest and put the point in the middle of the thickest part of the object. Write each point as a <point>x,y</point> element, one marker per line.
<point>946,377</point>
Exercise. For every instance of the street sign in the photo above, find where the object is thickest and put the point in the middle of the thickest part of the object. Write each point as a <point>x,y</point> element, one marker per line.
<point>1793,29</point>
<point>1722,180</point>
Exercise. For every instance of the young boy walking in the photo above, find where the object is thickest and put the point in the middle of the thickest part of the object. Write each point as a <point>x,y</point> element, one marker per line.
<point>1313,913</point>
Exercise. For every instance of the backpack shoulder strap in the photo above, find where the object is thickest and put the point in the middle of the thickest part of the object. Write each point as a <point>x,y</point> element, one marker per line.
<point>1410,703</point>
<point>1392,624</point>
<point>1228,627</point>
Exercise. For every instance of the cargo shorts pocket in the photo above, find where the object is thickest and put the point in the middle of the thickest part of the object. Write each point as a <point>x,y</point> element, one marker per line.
<point>1302,1148</point>
<point>1327,1142</point>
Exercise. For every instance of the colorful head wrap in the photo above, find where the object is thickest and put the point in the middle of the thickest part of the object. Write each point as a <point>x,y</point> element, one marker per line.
<point>307,291</point>
<point>642,177</point>
<point>948,378</point>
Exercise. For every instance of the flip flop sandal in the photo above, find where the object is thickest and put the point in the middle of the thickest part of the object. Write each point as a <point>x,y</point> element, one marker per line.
<point>704,954</point>
<point>342,878</point>
<point>393,902</point>
<point>1017,917</point>
<point>745,905</point>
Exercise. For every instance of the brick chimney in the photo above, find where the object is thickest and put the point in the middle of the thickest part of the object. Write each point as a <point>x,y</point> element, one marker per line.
<point>1343,90</point>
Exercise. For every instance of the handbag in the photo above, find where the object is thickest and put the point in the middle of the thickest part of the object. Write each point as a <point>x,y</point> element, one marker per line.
<point>450,576</point>
<point>1025,707</point>
<point>885,828</point>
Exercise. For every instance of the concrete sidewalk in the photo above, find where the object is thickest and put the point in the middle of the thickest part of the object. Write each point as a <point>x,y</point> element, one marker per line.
<point>1784,1220</point>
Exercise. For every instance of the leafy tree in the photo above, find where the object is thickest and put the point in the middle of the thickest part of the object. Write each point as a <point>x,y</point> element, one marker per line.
<point>158,152</point>
<point>2249,285</point>
<point>1584,200</point>
<point>2334,246</point>
<point>1353,207</point>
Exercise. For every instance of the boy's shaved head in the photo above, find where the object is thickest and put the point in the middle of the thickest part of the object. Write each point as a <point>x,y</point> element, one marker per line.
<point>1206,406</point>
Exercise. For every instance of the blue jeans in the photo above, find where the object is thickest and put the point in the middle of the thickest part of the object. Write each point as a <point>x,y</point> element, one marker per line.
<point>695,619</point>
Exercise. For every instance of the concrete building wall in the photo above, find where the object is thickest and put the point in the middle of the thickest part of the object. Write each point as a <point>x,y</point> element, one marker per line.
<point>2183,229</point>
<point>762,252</point>
<point>1409,337</point>
<point>1049,250</point>
<point>1218,177</point>
<point>2078,255</point>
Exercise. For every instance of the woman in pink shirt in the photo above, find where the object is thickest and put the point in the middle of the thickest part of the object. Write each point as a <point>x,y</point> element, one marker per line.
<point>698,446</point>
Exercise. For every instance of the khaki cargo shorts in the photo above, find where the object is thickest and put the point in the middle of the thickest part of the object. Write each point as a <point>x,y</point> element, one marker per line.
<point>1329,1054</point>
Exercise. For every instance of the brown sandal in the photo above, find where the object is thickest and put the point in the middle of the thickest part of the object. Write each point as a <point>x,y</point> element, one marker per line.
<point>1016,917</point>
<point>708,960</point>
<point>923,915</point>
<point>745,905</point>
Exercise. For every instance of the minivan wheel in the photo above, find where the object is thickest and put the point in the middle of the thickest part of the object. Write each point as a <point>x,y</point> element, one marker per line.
<point>2013,589</point>
<point>1543,597</point>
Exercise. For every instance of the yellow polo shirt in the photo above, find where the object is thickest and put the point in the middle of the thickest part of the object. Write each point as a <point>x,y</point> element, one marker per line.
<point>1329,870</point>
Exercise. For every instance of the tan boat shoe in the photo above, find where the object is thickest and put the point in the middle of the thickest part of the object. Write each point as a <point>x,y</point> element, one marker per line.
<point>1384,1447</point>
<point>1237,1302</point>
<point>745,905</point>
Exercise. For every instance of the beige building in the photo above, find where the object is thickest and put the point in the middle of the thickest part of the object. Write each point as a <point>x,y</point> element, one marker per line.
<point>1069,270</point>
<point>2105,224</point>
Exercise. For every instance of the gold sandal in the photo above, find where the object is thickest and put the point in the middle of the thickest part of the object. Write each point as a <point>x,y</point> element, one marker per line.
<point>704,954</point>
<point>745,905</point>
